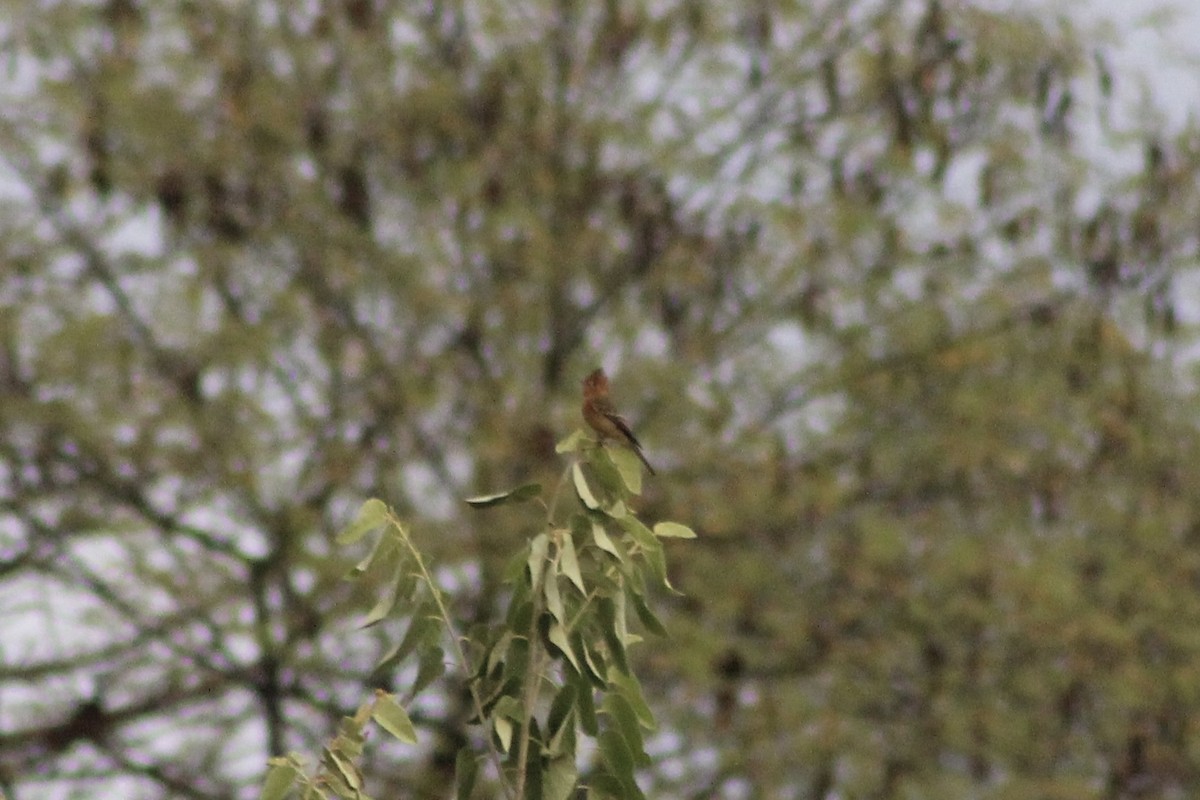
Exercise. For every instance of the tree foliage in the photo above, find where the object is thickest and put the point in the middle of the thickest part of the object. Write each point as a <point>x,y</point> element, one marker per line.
<point>899,294</point>
<point>555,669</point>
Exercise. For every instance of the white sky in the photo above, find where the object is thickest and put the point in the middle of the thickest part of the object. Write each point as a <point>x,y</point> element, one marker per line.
<point>1163,45</point>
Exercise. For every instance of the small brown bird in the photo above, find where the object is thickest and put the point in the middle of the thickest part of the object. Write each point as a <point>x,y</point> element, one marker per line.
<point>602,417</point>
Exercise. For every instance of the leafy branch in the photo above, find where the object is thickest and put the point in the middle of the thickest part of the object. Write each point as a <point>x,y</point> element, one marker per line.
<point>555,669</point>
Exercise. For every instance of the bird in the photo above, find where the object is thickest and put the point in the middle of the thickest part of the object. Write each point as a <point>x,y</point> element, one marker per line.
<point>602,417</point>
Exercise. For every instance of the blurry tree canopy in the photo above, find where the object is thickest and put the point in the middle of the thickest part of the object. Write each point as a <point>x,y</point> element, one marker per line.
<point>901,296</point>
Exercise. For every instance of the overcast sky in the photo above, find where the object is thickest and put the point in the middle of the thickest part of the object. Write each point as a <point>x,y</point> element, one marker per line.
<point>1165,46</point>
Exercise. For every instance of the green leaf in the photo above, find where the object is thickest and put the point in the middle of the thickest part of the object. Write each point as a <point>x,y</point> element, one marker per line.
<point>607,473</point>
<point>602,540</point>
<point>561,775</point>
<point>509,708</point>
<point>517,663</point>
<point>609,626</point>
<point>394,719</point>
<point>640,533</point>
<point>387,599</point>
<point>569,562</point>
<point>371,515</point>
<point>280,778</point>
<point>616,509</point>
<point>585,704</point>
<point>615,753</point>
<point>558,637</point>
<point>629,467</point>
<point>620,621</point>
<point>503,690</point>
<point>383,553</point>
<point>574,442</point>
<point>344,768</point>
<point>673,530</point>
<point>519,495</point>
<point>520,611</point>
<point>604,786</point>
<point>504,732</point>
<point>432,666</point>
<point>625,721</point>
<point>336,781</point>
<point>497,652</point>
<point>657,561</point>
<point>554,603</point>
<point>597,669</point>
<point>561,707</point>
<point>651,548</point>
<point>466,770</point>
<point>629,688</point>
<point>562,741</point>
<point>647,617</point>
<point>515,567</point>
<point>582,489</point>
<point>423,631</point>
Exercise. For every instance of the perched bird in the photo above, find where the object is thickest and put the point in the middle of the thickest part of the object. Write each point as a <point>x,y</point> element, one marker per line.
<point>602,417</point>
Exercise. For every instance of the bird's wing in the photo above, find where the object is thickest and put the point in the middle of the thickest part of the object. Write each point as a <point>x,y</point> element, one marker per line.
<point>624,427</point>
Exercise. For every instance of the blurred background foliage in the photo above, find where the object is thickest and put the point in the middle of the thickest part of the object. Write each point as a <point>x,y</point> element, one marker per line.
<point>900,296</point>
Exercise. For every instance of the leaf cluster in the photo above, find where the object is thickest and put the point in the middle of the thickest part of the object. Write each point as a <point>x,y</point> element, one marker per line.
<point>556,669</point>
